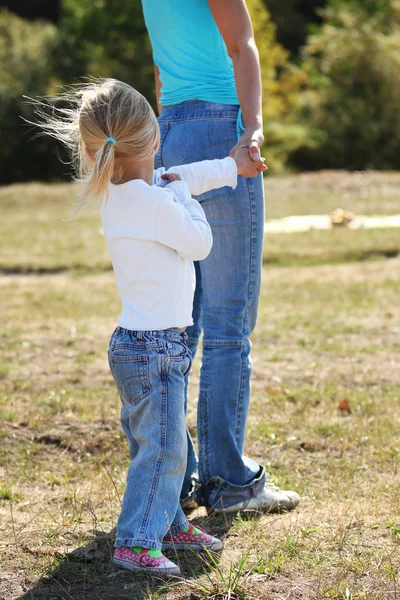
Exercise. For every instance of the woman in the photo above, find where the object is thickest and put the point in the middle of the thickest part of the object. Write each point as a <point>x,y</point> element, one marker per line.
<point>209,96</point>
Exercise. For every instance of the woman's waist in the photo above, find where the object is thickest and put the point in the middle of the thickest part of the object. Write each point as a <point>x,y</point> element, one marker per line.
<point>198,108</point>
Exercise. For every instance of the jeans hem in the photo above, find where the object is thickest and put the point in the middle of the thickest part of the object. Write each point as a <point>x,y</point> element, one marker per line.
<point>218,493</point>
<point>138,543</point>
<point>226,343</point>
<point>182,526</point>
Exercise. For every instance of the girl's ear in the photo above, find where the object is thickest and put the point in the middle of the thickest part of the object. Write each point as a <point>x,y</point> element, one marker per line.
<point>156,147</point>
<point>91,155</point>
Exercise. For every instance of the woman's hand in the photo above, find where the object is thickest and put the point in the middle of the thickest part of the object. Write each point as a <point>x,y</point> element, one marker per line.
<point>253,139</point>
<point>246,166</point>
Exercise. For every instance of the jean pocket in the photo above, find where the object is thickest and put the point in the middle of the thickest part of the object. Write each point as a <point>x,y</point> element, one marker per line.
<point>131,374</point>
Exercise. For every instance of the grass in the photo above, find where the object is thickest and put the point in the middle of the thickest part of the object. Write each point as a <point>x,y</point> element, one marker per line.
<point>36,223</point>
<point>327,332</point>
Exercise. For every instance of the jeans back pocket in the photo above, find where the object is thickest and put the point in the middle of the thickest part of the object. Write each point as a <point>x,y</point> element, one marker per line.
<point>131,374</point>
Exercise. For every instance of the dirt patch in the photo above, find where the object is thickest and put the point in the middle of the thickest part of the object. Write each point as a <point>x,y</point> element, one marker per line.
<point>92,438</point>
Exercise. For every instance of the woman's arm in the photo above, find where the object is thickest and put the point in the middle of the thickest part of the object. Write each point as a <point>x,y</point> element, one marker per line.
<point>233,21</point>
<point>158,87</point>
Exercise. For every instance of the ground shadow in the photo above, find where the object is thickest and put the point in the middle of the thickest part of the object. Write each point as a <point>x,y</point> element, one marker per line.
<point>87,573</point>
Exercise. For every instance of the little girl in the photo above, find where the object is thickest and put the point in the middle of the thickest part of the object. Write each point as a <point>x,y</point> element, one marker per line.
<point>154,231</point>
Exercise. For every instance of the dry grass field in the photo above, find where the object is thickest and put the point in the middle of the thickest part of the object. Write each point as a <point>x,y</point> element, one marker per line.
<point>324,419</point>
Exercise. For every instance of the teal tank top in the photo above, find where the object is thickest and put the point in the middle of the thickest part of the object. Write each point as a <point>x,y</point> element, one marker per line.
<point>190,52</point>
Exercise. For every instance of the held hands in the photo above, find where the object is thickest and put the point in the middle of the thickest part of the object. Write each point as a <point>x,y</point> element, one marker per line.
<point>253,138</point>
<point>246,153</point>
<point>246,166</point>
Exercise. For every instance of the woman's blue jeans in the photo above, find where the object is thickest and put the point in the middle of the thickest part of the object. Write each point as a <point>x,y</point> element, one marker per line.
<point>149,368</point>
<point>225,304</point>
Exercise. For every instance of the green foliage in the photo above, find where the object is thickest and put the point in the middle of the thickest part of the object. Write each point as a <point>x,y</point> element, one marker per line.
<point>272,57</point>
<point>34,9</point>
<point>24,69</point>
<point>352,104</point>
<point>293,19</point>
<point>105,38</point>
<point>24,48</point>
<point>381,8</point>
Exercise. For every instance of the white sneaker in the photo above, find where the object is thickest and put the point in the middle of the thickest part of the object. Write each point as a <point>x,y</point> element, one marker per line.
<point>270,500</point>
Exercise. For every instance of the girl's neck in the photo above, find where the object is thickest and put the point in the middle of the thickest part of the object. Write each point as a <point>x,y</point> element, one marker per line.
<point>135,170</point>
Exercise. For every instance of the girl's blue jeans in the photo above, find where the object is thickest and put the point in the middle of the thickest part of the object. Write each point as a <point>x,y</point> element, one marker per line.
<point>225,304</point>
<point>149,368</point>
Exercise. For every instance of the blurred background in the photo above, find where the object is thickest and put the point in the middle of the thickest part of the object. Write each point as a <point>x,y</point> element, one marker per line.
<point>331,76</point>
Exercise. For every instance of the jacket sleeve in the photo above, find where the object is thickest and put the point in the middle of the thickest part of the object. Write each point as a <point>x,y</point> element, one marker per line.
<point>181,223</point>
<point>203,176</point>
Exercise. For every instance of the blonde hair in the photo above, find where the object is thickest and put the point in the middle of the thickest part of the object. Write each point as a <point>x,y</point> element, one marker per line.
<point>104,124</point>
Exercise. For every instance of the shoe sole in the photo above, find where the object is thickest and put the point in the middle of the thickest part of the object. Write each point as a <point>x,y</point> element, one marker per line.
<point>229,510</point>
<point>132,567</point>
<point>196,547</point>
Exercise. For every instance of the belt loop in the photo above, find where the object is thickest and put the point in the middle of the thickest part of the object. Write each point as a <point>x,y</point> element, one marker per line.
<point>140,335</point>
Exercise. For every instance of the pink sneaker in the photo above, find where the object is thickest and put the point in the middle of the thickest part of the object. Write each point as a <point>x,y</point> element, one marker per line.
<point>144,561</point>
<point>192,539</point>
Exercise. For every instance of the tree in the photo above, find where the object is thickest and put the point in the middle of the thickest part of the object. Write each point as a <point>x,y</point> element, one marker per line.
<point>293,19</point>
<point>352,104</point>
<point>106,38</point>
<point>34,9</point>
<point>24,51</point>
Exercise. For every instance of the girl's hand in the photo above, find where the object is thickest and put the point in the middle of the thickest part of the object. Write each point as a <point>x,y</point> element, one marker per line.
<point>245,165</point>
<point>170,177</point>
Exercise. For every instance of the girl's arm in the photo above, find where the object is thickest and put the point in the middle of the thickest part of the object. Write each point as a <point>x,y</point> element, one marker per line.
<point>209,175</point>
<point>181,223</point>
<point>233,21</point>
<point>202,176</point>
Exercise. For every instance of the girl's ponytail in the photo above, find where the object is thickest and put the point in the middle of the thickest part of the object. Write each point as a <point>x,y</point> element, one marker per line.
<point>99,177</point>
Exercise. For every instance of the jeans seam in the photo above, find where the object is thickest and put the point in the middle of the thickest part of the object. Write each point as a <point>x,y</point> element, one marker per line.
<point>156,477</point>
<point>204,459</point>
<point>254,238</point>
<point>239,407</point>
<point>162,140</point>
<point>252,257</point>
